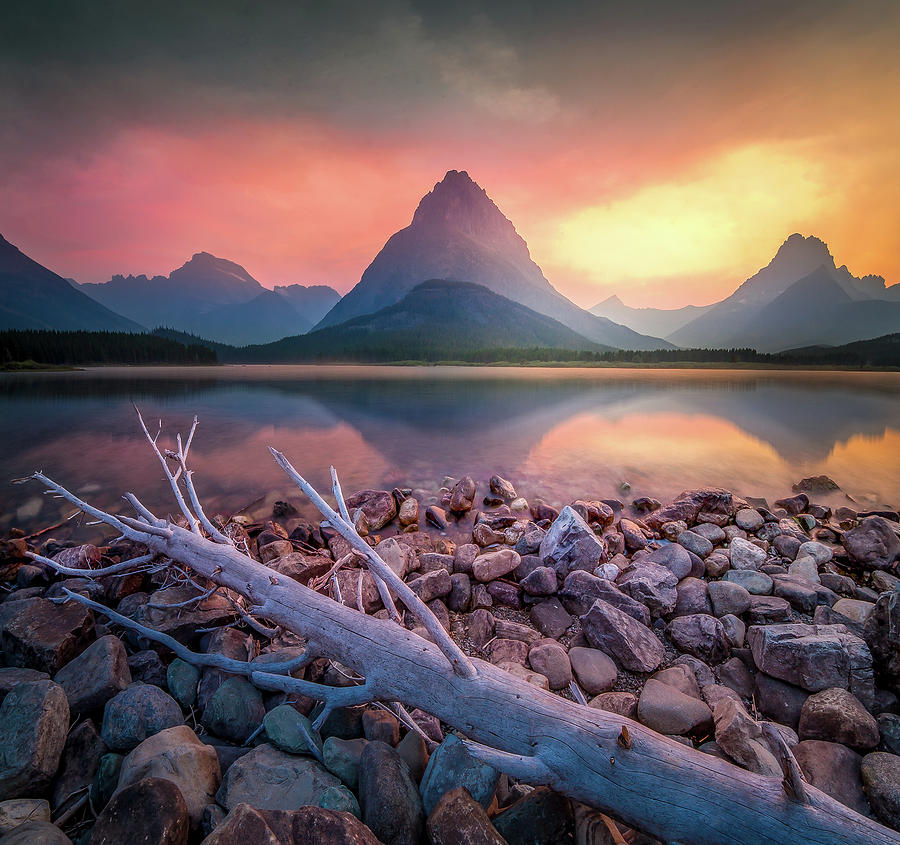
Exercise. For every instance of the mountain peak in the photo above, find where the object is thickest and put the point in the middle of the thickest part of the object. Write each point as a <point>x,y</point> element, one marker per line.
<point>807,251</point>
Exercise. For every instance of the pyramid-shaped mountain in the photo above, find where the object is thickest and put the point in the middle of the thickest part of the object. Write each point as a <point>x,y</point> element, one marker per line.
<point>458,233</point>
<point>33,297</point>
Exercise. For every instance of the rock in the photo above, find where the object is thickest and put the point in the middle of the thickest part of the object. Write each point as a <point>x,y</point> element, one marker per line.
<point>462,496</point>
<point>542,816</point>
<point>835,770</point>
<point>621,703</point>
<point>540,582</point>
<point>153,808</point>
<point>633,536</point>
<point>480,627</point>
<point>18,811</point>
<point>681,677</point>
<point>551,618</point>
<point>380,726</point>
<point>135,713</point>
<point>755,583</point>
<point>78,764</point>
<point>779,701</point>
<point>39,634</point>
<point>814,657</point>
<point>550,659</point>
<point>749,519</point>
<point>727,597</point>
<point>234,710</point>
<point>436,516</point>
<point>504,593</point>
<point>596,672</point>
<point>35,720</point>
<point>530,542</point>
<point>502,488</point>
<point>246,825</point>
<point>745,555</point>
<point>889,728</point>
<point>571,544</point>
<point>854,610</point>
<point>836,715</point>
<point>409,512</point>
<point>452,766</point>
<point>269,779</point>
<point>743,740</point>
<point>632,645</point>
<point>146,667</point>
<point>883,582</point>
<point>378,507</point>
<point>652,585</point>
<point>581,589</point>
<point>176,755</point>
<point>36,833</point>
<point>165,612</point>
<point>459,820</point>
<point>669,711</point>
<point>882,634</point>
<point>341,757</point>
<point>872,544</point>
<point>460,594</point>
<point>700,635</point>
<point>695,543</point>
<point>106,778</point>
<point>95,676</point>
<point>492,565</point>
<point>693,597</point>
<point>735,675</point>
<point>794,504</point>
<point>300,566</point>
<point>182,679</point>
<point>503,650</point>
<point>766,610</point>
<point>433,585</point>
<point>690,504</point>
<point>11,676</point>
<point>673,557</point>
<point>390,801</point>
<point>881,780</point>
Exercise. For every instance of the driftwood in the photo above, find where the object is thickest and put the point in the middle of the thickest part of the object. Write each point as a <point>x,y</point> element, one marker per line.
<point>649,782</point>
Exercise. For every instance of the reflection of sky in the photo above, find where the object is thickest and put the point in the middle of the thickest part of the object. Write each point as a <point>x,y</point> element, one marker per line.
<point>558,433</point>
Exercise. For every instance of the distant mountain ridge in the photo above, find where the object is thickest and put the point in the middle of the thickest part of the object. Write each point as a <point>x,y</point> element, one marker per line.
<point>458,233</point>
<point>659,322</point>
<point>216,298</point>
<point>33,297</point>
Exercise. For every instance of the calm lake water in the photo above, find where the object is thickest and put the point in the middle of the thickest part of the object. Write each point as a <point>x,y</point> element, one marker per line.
<point>558,433</point>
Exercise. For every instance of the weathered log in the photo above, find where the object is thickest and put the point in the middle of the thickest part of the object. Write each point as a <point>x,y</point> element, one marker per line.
<point>652,783</point>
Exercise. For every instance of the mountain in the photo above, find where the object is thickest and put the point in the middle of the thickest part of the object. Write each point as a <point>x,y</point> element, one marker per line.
<point>732,321</point>
<point>201,284</point>
<point>436,320</point>
<point>267,317</point>
<point>312,302</point>
<point>457,233</point>
<point>33,297</point>
<point>659,322</point>
<point>878,352</point>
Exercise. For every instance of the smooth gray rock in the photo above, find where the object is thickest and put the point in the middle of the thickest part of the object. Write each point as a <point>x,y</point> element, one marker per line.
<point>452,766</point>
<point>755,583</point>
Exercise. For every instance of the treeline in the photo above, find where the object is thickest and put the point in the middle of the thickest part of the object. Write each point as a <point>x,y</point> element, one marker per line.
<point>75,348</point>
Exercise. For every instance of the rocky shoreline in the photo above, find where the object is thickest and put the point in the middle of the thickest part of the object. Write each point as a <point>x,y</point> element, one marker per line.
<point>709,619</point>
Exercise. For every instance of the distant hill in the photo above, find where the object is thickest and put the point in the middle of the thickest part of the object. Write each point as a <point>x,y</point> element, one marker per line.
<point>218,299</point>
<point>756,314</point>
<point>457,233</point>
<point>434,321</point>
<point>659,322</point>
<point>33,297</point>
<point>881,351</point>
<point>312,302</point>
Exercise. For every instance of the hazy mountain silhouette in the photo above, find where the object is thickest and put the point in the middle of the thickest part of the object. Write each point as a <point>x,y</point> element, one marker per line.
<point>33,297</point>
<point>265,318</point>
<point>458,233</point>
<point>659,322</point>
<point>814,309</point>
<point>312,302</point>
<point>436,317</point>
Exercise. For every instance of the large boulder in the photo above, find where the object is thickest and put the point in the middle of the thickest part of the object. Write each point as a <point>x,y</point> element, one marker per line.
<point>152,809</point>
<point>834,769</point>
<point>571,544</point>
<point>652,585</point>
<point>35,720</point>
<point>581,589</point>
<point>137,712</point>
<point>450,766</point>
<point>872,544</point>
<point>814,657</point>
<point>269,779</point>
<point>835,715</point>
<point>491,565</point>
<point>96,675</point>
<point>457,819</point>
<point>632,645</point>
<point>701,635</point>
<point>40,634</point>
<point>881,780</point>
<point>245,825</point>
<point>742,739</point>
<point>177,755</point>
<point>378,506</point>
<point>390,801</point>
<point>674,558</point>
<point>688,506</point>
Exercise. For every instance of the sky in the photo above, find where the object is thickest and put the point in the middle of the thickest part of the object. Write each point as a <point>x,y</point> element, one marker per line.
<point>660,151</point>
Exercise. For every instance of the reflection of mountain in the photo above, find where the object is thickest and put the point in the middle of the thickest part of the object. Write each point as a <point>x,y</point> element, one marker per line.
<point>394,426</point>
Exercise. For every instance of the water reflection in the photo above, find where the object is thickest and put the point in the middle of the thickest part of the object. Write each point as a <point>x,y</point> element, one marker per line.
<point>562,433</point>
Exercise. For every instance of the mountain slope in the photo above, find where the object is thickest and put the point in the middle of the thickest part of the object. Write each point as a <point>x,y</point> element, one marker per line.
<point>437,319</point>
<point>728,321</point>
<point>264,318</point>
<point>201,284</point>
<point>312,302</point>
<point>33,297</point>
<point>659,322</point>
<point>458,233</point>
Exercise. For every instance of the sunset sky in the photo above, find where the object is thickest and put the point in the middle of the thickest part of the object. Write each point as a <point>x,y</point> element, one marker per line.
<point>658,150</point>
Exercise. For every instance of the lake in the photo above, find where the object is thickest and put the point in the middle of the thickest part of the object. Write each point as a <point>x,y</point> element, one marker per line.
<point>559,434</point>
